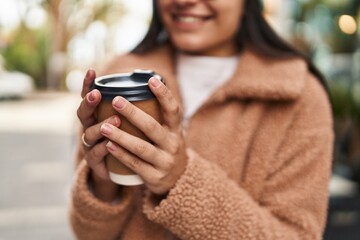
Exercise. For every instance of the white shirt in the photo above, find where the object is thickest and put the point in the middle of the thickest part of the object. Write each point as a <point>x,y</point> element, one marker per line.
<point>199,77</point>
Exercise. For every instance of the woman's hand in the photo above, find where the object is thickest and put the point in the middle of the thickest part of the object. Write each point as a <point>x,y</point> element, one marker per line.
<point>161,163</point>
<point>94,155</point>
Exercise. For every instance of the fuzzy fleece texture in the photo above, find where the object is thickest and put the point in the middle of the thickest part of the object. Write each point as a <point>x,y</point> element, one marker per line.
<point>259,153</point>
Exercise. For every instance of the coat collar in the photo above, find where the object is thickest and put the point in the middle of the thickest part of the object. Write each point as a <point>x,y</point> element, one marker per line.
<point>262,78</point>
<point>256,77</point>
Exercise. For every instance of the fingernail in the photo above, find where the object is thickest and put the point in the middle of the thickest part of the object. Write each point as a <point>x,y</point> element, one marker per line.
<point>155,82</point>
<point>111,146</point>
<point>119,102</point>
<point>91,97</point>
<point>106,129</point>
<point>115,120</point>
<point>87,73</point>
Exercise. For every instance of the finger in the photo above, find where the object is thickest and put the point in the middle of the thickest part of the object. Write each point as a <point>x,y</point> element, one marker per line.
<point>93,133</point>
<point>145,170</point>
<point>171,109</point>
<point>140,148</point>
<point>88,80</point>
<point>87,108</point>
<point>143,121</point>
<point>95,159</point>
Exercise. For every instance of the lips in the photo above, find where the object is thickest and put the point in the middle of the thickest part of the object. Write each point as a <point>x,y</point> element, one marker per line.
<point>190,21</point>
<point>190,18</point>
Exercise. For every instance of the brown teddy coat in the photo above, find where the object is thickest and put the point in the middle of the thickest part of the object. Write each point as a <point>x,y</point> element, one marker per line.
<point>259,151</point>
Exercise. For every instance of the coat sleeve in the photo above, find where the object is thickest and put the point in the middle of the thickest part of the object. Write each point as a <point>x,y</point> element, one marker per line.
<point>206,204</point>
<point>91,218</point>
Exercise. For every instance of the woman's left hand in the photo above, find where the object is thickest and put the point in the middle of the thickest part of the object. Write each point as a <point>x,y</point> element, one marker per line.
<point>161,163</point>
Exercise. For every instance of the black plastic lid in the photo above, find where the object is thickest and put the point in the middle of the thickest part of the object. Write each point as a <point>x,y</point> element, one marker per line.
<point>132,86</point>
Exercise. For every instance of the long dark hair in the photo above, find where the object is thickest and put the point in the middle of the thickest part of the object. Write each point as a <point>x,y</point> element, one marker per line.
<point>254,31</point>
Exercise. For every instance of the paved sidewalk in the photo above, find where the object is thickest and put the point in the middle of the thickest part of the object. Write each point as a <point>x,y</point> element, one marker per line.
<point>37,137</point>
<point>40,112</point>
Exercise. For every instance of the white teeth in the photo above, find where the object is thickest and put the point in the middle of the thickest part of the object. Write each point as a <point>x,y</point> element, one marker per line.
<point>188,19</point>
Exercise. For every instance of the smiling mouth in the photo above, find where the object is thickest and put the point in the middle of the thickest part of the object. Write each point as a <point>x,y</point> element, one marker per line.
<point>190,19</point>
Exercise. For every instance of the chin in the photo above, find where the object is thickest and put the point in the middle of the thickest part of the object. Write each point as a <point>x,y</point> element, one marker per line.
<point>193,47</point>
<point>191,50</point>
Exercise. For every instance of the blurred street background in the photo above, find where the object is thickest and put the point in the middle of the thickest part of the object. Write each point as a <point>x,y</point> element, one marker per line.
<point>37,149</point>
<point>46,46</point>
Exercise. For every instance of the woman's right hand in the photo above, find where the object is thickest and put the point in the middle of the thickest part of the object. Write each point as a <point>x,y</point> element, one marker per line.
<point>104,189</point>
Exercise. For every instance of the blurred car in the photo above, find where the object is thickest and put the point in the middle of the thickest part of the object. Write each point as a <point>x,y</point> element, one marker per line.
<point>15,84</point>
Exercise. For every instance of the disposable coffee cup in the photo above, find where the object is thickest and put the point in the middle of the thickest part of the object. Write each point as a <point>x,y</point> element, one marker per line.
<point>133,87</point>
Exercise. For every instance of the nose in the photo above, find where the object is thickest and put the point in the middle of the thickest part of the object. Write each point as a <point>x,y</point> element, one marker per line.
<point>185,1</point>
<point>190,1</point>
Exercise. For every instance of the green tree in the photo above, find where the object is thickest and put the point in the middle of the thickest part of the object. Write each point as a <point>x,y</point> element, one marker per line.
<point>31,50</point>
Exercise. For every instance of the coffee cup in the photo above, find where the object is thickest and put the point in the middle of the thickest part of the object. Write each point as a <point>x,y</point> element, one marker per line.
<point>133,87</point>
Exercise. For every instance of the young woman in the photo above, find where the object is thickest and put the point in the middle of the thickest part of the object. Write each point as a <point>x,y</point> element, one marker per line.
<point>244,151</point>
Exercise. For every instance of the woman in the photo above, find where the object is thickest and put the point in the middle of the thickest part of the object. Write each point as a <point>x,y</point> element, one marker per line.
<point>245,148</point>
